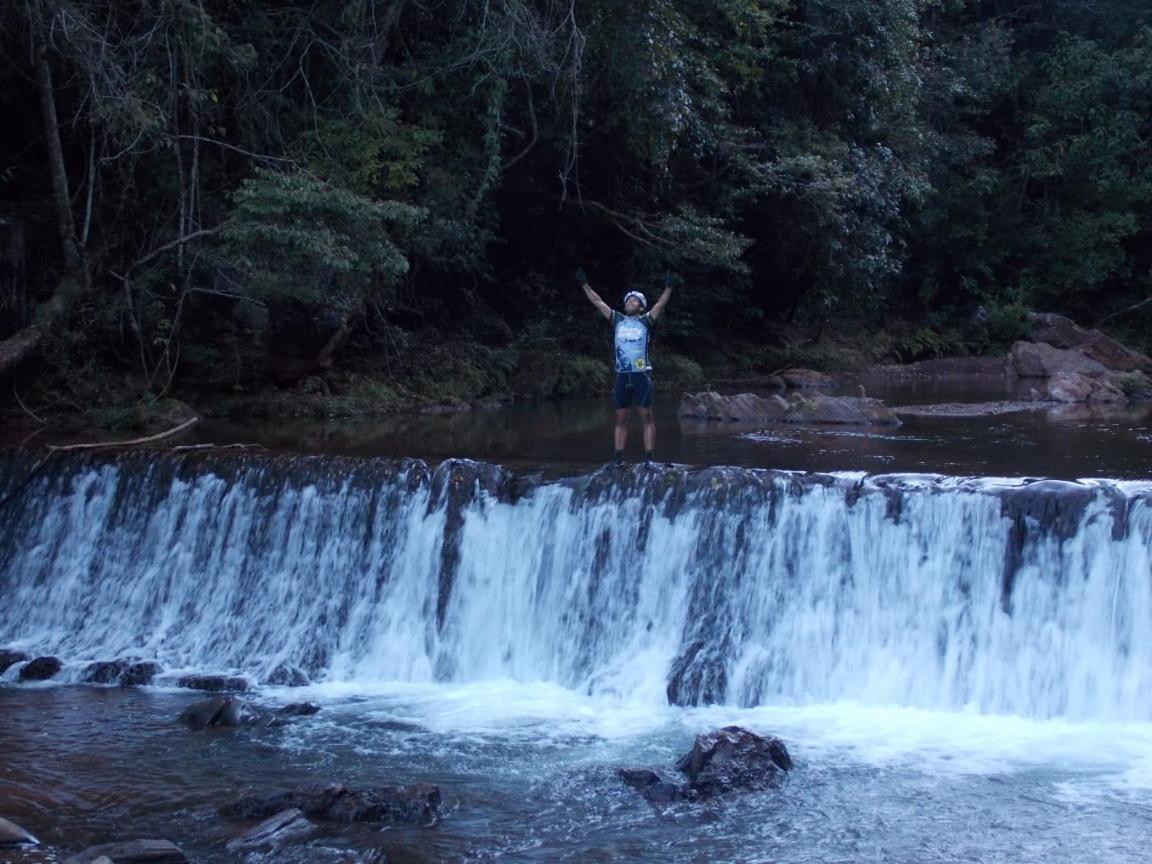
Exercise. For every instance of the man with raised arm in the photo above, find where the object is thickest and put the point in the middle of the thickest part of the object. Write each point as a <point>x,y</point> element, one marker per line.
<point>632,330</point>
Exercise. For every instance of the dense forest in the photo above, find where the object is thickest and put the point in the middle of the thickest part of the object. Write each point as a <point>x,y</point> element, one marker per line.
<point>343,207</point>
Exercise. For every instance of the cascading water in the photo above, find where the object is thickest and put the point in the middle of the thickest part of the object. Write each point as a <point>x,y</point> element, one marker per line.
<point>728,586</point>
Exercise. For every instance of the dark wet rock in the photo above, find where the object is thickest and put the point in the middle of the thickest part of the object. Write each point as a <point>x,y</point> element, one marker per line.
<point>815,409</point>
<point>416,803</point>
<point>287,675</point>
<point>299,709</point>
<point>12,834</point>
<point>1041,360</point>
<point>312,799</point>
<point>219,711</point>
<point>214,683</point>
<point>285,827</point>
<point>652,786</point>
<point>140,674</point>
<point>699,674</point>
<point>41,669</point>
<point>103,672</point>
<point>133,852</point>
<point>734,758</point>
<point>11,658</point>
<point>126,673</point>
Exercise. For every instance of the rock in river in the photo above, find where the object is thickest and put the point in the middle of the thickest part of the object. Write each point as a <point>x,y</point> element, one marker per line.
<point>133,852</point>
<point>734,758</point>
<point>285,827</point>
<point>414,804</point>
<point>9,657</point>
<point>12,834</point>
<point>41,669</point>
<point>720,761</point>
<point>219,711</point>
<point>214,683</point>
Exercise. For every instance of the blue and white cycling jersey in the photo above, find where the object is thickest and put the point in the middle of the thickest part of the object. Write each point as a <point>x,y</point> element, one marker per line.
<point>632,342</point>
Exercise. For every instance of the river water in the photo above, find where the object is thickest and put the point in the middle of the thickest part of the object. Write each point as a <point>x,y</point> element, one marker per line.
<point>962,668</point>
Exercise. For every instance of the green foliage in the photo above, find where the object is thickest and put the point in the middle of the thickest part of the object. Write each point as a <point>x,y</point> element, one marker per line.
<point>293,235</point>
<point>581,376</point>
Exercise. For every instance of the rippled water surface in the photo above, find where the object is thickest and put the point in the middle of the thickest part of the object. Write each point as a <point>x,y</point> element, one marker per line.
<point>528,775</point>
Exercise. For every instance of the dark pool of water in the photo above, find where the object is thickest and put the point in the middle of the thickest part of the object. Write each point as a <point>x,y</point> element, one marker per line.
<point>575,436</point>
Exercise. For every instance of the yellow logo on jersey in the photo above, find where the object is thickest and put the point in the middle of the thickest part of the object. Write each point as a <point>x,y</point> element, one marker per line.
<point>639,363</point>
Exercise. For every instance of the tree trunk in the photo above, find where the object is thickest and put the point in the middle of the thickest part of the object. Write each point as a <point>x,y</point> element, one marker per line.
<point>16,348</point>
<point>13,287</point>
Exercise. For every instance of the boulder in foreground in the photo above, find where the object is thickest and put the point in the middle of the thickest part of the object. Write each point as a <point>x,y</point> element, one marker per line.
<point>724,760</point>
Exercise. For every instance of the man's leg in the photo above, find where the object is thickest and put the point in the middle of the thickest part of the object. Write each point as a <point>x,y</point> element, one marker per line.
<point>621,429</point>
<point>649,432</point>
<point>644,403</point>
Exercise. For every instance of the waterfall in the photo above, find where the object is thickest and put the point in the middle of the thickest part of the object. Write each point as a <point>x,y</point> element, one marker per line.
<point>720,585</point>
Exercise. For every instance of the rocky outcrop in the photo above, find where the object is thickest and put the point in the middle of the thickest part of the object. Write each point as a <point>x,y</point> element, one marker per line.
<point>413,804</point>
<point>721,761</point>
<point>41,669</point>
<point>1061,332</point>
<point>12,834</point>
<point>816,409</point>
<point>133,852</point>
<point>1072,387</point>
<point>214,683</point>
<point>1041,360</point>
<point>285,827</point>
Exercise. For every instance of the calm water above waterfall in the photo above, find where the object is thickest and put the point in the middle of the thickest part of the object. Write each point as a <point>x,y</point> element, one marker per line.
<point>963,667</point>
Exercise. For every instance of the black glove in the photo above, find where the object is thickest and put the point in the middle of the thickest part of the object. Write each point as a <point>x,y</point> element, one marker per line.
<point>581,277</point>
<point>669,279</point>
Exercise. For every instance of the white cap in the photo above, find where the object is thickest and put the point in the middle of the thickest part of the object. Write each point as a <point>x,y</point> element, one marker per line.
<point>643,300</point>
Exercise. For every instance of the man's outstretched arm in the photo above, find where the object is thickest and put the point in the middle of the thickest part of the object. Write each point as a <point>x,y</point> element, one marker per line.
<point>604,308</point>
<point>658,306</point>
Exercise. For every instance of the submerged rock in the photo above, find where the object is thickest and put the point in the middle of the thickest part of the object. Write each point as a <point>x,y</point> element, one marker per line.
<point>214,683</point>
<point>285,827</point>
<point>12,834</point>
<point>299,709</point>
<point>11,658</point>
<point>41,669</point>
<point>652,786</point>
<point>414,804</point>
<point>132,852</point>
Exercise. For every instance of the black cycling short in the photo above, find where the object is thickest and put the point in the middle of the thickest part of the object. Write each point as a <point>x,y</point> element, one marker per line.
<point>633,388</point>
